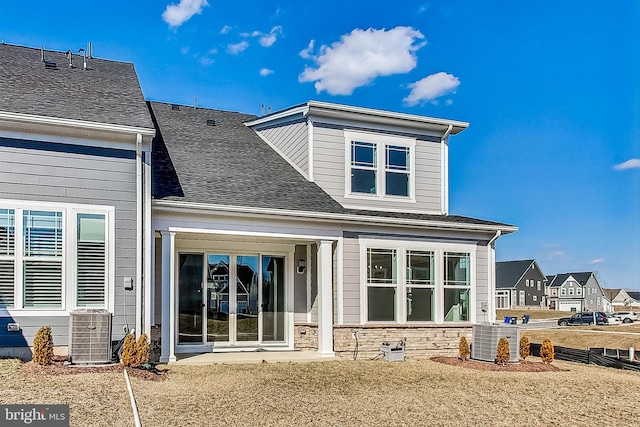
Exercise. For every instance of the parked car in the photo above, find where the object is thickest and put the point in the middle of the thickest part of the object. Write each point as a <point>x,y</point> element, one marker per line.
<point>627,316</point>
<point>612,319</point>
<point>584,318</point>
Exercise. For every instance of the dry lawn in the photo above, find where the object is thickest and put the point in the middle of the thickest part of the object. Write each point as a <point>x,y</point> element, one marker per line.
<point>535,314</point>
<point>364,392</point>
<point>576,338</point>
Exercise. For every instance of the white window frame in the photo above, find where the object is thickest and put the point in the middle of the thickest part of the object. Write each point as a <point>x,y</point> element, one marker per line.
<point>570,291</point>
<point>69,255</point>
<point>381,141</point>
<point>401,247</point>
<point>563,292</point>
<point>539,285</point>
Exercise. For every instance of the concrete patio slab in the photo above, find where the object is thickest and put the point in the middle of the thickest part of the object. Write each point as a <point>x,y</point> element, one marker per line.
<point>251,357</point>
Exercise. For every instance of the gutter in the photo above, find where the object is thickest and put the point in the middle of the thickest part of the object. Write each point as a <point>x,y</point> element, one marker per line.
<point>200,208</point>
<point>491,254</point>
<point>80,124</point>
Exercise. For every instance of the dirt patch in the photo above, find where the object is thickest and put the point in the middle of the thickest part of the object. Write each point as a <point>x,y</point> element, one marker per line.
<point>522,366</point>
<point>57,367</point>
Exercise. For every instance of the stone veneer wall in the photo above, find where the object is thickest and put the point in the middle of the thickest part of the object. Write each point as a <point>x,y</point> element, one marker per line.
<point>420,341</point>
<point>155,344</point>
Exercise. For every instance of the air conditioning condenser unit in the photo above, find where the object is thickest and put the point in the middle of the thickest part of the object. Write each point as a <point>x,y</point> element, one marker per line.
<point>90,336</point>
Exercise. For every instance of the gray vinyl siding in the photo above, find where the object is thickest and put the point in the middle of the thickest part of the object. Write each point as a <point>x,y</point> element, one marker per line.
<point>481,283</point>
<point>314,283</point>
<point>291,140</point>
<point>330,166</point>
<point>351,280</point>
<point>300,286</point>
<point>70,177</point>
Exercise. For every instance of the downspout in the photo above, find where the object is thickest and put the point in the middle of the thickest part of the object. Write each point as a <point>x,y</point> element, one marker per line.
<point>139,236</point>
<point>444,176</point>
<point>491,269</point>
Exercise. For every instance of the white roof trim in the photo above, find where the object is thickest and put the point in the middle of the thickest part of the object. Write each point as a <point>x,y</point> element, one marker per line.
<point>81,124</point>
<point>372,115</point>
<point>328,217</point>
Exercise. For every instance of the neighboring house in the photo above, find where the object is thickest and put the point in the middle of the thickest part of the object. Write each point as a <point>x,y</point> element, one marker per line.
<point>520,284</point>
<point>576,292</point>
<point>328,219</point>
<point>623,298</point>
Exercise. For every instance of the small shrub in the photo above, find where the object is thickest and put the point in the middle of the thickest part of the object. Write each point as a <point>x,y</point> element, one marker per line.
<point>525,347</point>
<point>547,352</point>
<point>128,350</point>
<point>463,349</point>
<point>503,354</point>
<point>43,346</point>
<point>141,351</point>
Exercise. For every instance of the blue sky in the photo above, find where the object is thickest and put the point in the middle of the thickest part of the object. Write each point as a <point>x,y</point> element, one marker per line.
<point>551,89</point>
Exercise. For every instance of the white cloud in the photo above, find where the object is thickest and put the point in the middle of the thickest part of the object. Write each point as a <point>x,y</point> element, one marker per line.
<point>184,50</point>
<point>225,29</point>
<point>629,164</point>
<point>206,61</point>
<point>449,102</point>
<point>596,261</point>
<point>555,254</point>
<point>268,39</point>
<point>307,52</point>
<point>431,87</point>
<point>265,72</point>
<point>177,14</point>
<point>360,56</point>
<point>213,51</point>
<point>237,48</point>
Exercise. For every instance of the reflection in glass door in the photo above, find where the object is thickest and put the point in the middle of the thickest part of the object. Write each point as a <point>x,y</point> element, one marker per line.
<point>190,298</point>
<point>218,269</point>
<point>272,298</point>
<point>247,298</point>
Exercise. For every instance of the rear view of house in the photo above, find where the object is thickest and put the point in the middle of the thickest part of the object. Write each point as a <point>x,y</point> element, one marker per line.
<point>520,284</point>
<point>320,226</point>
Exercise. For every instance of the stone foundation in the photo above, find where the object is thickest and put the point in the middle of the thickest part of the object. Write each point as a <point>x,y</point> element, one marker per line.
<point>155,344</point>
<point>421,342</point>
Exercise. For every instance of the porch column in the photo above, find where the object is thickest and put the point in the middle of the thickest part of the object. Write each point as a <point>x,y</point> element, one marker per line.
<point>167,353</point>
<point>325,299</point>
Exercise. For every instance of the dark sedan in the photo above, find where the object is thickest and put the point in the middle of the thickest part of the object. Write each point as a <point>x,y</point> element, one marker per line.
<point>584,318</point>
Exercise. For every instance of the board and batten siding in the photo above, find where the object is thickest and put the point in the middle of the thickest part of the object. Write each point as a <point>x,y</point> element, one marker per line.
<point>291,140</point>
<point>330,166</point>
<point>67,176</point>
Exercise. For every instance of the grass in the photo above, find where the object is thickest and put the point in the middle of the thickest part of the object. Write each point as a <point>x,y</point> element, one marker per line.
<point>339,393</point>
<point>535,314</point>
<point>583,337</point>
<point>94,399</point>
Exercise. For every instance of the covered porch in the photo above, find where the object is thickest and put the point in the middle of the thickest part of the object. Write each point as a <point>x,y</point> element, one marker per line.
<point>240,292</point>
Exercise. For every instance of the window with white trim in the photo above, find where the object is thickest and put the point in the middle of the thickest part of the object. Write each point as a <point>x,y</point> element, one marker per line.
<point>563,291</point>
<point>539,285</point>
<point>407,284</point>
<point>380,166</point>
<point>54,257</point>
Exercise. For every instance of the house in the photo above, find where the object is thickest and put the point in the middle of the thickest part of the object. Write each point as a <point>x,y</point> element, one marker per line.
<point>576,292</point>
<point>520,284</point>
<point>622,297</point>
<point>223,231</point>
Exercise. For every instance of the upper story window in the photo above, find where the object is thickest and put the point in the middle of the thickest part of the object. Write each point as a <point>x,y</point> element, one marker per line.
<point>380,166</point>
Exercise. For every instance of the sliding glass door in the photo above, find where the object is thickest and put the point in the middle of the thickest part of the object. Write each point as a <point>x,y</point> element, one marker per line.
<point>232,300</point>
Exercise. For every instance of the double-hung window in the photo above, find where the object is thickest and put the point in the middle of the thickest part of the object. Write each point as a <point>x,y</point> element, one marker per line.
<point>380,166</point>
<point>55,257</point>
<point>7,256</point>
<point>382,284</point>
<point>406,282</point>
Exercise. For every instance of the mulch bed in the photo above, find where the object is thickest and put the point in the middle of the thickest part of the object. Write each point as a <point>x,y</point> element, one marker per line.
<point>57,367</point>
<point>522,366</point>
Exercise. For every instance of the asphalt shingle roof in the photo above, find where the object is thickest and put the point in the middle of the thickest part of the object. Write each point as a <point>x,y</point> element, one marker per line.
<point>229,164</point>
<point>107,92</point>
<point>509,272</point>
<point>559,279</point>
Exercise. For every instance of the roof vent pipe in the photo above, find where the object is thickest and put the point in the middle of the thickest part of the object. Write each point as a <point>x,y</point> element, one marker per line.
<point>84,58</point>
<point>90,50</point>
<point>69,56</point>
<point>42,53</point>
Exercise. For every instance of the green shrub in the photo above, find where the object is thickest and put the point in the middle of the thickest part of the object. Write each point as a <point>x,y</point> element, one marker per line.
<point>525,347</point>
<point>503,354</point>
<point>43,346</point>
<point>547,352</point>
<point>463,349</point>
